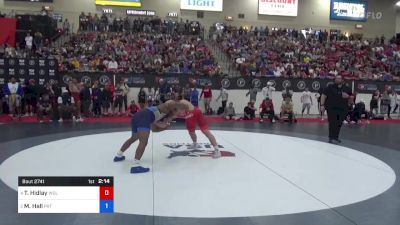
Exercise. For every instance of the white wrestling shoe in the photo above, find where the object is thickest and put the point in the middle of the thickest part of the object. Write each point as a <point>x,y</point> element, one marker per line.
<point>216,155</point>
<point>194,146</point>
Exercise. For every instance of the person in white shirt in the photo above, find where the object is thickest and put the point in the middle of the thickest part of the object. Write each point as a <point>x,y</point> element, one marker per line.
<point>112,65</point>
<point>223,95</point>
<point>268,90</point>
<point>307,102</point>
<point>240,60</point>
<point>150,96</point>
<point>229,112</point>
<point>28,41</point>
<point>393,102</point>
<point>396,106</point>
<point>13,92</point>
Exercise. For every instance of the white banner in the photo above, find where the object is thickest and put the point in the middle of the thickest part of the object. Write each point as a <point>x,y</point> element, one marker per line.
<point>278,7</point>
<point>202,5</point>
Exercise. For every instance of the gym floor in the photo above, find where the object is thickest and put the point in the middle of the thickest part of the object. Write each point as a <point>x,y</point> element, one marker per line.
<point>271,174</point>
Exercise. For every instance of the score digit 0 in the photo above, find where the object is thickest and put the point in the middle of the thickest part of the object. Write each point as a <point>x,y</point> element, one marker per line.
<point>107,193</point>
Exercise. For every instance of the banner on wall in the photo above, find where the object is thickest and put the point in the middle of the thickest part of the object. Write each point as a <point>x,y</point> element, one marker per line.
<point>44,71</point>
<point>202,5</point>
<point>129,3</point>
<point>8,31</point>
<point>278,7</point>
<point>41,70</point>
<point>238,83</point>
<point>138,12</point>
<point>372,86</point>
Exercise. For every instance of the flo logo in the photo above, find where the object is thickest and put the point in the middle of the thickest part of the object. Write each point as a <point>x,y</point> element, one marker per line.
<point>241,82</point>
<point>182,150</point>
<point>225,83</point>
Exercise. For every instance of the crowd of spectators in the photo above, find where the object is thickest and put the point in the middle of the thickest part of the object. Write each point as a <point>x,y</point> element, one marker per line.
<point>143,48</point>
<point>78,100</point>
<point>292,53</point>
<point>111,23</point>
<point>138,53</point>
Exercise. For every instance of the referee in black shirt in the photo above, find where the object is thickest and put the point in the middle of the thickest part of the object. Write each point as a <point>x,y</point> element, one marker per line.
<point>335,99</point>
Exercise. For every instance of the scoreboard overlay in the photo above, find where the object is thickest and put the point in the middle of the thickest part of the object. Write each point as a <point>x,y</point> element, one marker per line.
<point>65,194</point>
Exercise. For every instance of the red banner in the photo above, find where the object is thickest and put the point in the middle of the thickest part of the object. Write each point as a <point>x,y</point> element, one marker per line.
<point>8,31</point>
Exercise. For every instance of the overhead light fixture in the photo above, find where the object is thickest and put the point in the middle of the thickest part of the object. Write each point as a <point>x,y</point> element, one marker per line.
<point>398,3</point>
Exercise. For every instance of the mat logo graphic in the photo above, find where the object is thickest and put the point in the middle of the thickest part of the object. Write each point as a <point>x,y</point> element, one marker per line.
<point>182,150</point>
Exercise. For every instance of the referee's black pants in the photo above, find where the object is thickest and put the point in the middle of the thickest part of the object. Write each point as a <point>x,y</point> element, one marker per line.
<point>335,120</point>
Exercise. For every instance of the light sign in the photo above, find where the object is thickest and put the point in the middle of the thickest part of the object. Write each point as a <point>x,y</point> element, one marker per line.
<point>202,5</point>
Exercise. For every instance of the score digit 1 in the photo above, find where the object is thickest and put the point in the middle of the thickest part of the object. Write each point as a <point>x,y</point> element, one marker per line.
<point>107,199</point>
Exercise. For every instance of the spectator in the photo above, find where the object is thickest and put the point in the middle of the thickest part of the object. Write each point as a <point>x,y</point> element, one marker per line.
<point>229,112</point>
<point>2,102</point>
<point>318,97</point>
<point>249,111</point>
<point>287,109</point>
<point>393,102</point>
<point>44,107</point>
<point>357,112</point>
<point>31,95</point>
<point>194,97</point>
<point>44,12</point>
<point>28,41</point>
<point>142,98</point>
<point>97,97</point>
<point>253,94</point>
<point>207,93</point>
<point>133,108</point>
<point>66,26</point>
<point>82,22</point>
<point>86,99</point>
<point>223,95</point>
<point>119,99</point>
<point>75,91</point>
<point>13,92</point>
<point>38,40</point>
<point>186,92</point>
<point>106,98</point>
<point>307,101</point>
<point>112,66</point>
<point>125,88</point>
<point>397,103</point>
<point>151,96</point>
<point>287,93</point>
<point>385,103</point>
<point>374,103</point>
<point>66,107</point>
<point>267,110</point>
<point>165,91</point>
<point>268,90</point>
